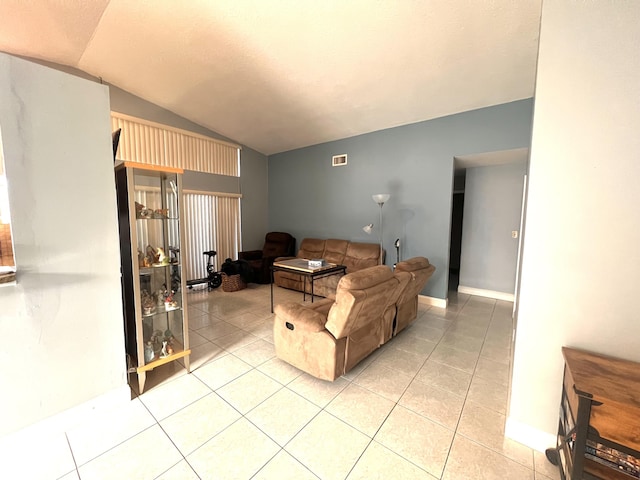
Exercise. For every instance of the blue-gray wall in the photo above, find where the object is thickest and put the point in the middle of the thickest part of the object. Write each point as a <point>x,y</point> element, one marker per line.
<point>492,210</point>
<point>414,163</point>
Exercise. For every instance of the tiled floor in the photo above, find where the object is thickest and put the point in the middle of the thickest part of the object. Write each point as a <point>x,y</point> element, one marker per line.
<point>430,404</point>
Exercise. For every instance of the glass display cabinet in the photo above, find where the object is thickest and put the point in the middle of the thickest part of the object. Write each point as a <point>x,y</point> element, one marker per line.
<point>151,235</point>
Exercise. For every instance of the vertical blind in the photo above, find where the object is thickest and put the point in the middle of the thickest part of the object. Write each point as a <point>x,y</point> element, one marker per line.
<point>156,144</point>
<point>212,222</point>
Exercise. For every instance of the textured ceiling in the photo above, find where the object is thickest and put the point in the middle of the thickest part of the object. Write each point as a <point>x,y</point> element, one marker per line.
<point>282,74</point>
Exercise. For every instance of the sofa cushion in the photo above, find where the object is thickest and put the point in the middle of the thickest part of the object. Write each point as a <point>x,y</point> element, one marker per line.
<point>413,264</point>
<point>362,297</point>
<point>311,248</point>
<point>361,255</point>
<point>335,250</point>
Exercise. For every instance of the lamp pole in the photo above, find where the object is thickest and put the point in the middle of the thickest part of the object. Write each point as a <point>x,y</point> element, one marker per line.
<point>381,204</point>
<point>380,198</point>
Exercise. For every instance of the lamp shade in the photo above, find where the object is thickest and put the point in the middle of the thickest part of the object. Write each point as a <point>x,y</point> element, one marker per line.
<point>380,198</point>
<point>368,228</point>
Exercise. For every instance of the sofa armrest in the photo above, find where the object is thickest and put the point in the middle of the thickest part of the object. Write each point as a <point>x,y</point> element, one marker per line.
<point>300,318</point>
<point>250,255</point>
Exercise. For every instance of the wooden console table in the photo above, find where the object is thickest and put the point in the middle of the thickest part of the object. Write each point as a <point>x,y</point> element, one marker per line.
<point>599,426</point>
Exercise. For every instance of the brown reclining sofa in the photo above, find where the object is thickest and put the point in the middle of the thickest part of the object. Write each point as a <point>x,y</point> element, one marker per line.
<point>328,338</point>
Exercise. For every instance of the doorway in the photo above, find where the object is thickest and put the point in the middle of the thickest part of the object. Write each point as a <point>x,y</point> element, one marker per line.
<point>455,247</point>
<point>485,223</point>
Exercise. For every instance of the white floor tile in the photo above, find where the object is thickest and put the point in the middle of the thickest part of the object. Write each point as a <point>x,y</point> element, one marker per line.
<point>280,371</point>
<point>444,377</point>
<point>384,381</point>
<point>470,460</point>
<point>256,353</point>
<point>380,463</point>
<point>106,430</point>
<point>236,453</point>
<point>172,396</point>
<point>320,392</point>
<point>180,471</point>
<point>417,439</point>
<point>283,415</point>
<point>42,455</point>
<point>249,390</point>
<point>284,467</point>
<point>438,405</point>
<point>145,456</point>
<point>221,371</point>
<point>328,447</point>
<point>486,427</point>
<point>361,408</point>
<point>194,425</point>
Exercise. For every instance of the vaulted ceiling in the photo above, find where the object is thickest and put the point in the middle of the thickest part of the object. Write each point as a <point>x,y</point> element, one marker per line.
<point>282,74</point>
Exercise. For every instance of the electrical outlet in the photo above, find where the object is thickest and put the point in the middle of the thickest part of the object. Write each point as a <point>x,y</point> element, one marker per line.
<point>514,233</point>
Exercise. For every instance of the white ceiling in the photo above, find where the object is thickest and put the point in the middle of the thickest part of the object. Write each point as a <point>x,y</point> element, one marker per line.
<point>282,74</point>
<point>503,157</point>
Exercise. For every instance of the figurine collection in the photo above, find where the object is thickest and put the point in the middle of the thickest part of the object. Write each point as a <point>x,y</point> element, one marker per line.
<point>160,345</point>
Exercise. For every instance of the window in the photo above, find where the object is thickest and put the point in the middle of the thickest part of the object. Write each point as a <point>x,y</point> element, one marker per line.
<point>212,222</point>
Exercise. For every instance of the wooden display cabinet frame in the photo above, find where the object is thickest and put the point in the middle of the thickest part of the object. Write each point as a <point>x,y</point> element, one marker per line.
<point>125,173</point>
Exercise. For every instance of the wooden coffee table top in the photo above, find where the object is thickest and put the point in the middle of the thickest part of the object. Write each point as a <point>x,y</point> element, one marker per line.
<point>302,265</point>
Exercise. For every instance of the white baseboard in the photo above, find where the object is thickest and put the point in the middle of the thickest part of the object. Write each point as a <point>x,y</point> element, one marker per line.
<point>66,420</point>
<point>529,436</point>
<point>509,297</point>
<point>433,301</point>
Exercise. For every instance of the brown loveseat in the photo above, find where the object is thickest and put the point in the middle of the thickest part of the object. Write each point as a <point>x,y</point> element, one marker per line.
<point>355,256</point>
<point>329,338</point>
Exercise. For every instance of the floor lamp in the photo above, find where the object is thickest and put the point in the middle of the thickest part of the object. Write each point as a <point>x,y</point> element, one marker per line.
<point>380,198</point>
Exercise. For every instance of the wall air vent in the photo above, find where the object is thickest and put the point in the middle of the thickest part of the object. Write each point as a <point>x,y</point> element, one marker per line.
<point>339,160</point>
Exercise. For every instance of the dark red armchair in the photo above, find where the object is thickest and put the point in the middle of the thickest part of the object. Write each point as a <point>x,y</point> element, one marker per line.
<point>276,244</point>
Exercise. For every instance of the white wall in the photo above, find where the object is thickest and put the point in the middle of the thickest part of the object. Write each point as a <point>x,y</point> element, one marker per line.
<point>581,255</point>
<point>61,325</point>
<point>492,210</point>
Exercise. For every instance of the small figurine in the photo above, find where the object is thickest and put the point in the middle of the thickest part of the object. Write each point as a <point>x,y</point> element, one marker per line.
<point>169,302</point>
<point>142,211</point>
<point>160,297</point>
<point>163,352</point>
<point>152,255</point>
<point>148,305</point>
<point>162,258</point>
<point>148,352</point>
<point>161,213</point>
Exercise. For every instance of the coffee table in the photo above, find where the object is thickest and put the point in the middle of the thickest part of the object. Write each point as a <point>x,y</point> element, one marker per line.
<point>301,267</point>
